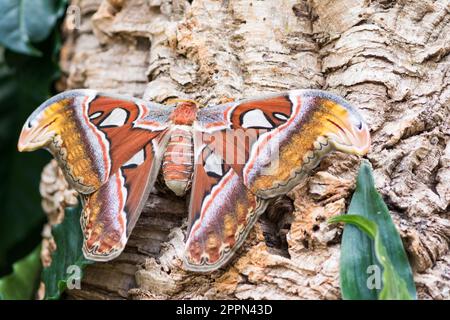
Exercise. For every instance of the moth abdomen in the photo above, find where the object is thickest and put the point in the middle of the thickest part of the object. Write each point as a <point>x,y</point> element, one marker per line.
<point>178,161</point>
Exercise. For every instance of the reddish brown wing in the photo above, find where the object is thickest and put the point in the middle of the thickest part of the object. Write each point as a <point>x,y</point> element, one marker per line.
<point>111,212</point>
<point>265,146</point>
<point>222,212</point>
<point>295,130</point>
<point>109,149</point>
<point>222,209</point>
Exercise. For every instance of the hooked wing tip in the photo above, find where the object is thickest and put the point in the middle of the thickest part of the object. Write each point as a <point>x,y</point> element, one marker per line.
<point>343,124</point>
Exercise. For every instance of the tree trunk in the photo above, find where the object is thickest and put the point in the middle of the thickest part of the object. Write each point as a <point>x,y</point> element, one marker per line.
<point>389,58</point>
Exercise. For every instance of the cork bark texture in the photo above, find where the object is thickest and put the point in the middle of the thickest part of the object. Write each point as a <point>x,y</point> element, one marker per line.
<point>388,58</point>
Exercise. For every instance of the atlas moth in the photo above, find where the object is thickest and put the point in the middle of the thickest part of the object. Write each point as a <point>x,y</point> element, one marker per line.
<point>236,157</point>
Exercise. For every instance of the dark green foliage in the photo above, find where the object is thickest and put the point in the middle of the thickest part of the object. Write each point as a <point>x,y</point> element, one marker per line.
<point>22,282</point>
<point>68,258</point>
<point>25,22</point>
<point>25,82</point>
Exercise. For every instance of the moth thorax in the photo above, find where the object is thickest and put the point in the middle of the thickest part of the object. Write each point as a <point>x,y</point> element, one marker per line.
<point>178,161</point>
<point>185,113</point>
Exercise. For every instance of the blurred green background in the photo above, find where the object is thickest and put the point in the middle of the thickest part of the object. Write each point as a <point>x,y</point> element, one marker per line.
<point>30,39</point>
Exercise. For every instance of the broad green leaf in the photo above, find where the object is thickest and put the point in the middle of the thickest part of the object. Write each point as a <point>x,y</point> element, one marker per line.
<point>67,260</point>
<point>394,287</point>
<point>21,284</point>
<point>25,83</point>
<point>24,22</point>
<point>358,251</point>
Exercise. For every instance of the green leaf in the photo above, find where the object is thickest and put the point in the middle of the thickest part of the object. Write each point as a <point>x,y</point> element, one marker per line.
<point>21,284</point>
<point>67,260</point>
<point>26,21</point>
<point>358,252</point>
<point>394,287</point>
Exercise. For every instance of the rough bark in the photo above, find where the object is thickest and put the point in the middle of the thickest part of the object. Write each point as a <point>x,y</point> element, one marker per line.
<point>389,58</point>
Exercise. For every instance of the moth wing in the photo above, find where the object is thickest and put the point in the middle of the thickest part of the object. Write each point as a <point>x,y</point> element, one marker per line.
<point>110,213</point>
<point>109,148</point>
<point>222,211</point>
<point>91,134</point>
<point>261,149</point>
<point>283,137</point>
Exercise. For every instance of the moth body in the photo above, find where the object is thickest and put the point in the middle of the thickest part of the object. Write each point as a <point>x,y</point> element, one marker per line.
<point>245,153</point>
<point>178,160</point>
